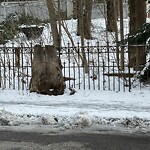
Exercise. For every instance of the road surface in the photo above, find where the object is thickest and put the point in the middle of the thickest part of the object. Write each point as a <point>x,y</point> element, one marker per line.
<point>12,140</point>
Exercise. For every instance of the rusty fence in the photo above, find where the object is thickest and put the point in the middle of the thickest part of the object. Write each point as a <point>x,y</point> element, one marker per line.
<point>107,68</point>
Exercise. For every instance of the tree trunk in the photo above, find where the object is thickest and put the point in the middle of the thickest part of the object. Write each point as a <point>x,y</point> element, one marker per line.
<point>137,9</point>
<point>47,75</point>
<point>17,56</point>
<point>87,19</point>
<point>84,14</point>
<point>79,16</point>
<point>53,23</point>
<point>115,28</point>
<point>121,32</point>
<point>110,16</point>
<point>75,9</point>
<point>80,31</point>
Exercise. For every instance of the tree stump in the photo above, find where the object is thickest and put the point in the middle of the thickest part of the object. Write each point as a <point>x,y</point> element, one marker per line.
<point>47,77</point>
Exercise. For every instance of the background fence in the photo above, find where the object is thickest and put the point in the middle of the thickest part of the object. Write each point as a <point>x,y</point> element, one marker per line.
<point>104,73</point>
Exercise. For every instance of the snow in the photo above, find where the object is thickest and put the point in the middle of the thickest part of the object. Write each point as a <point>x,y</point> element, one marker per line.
<point>84,109</point>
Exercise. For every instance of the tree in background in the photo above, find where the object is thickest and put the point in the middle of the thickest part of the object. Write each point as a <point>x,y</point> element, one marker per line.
<point>53,22</point>
<point>137,14</point>
<point>121,32</point>
<point>87,19</point>
<point>111,24</point>
<point>84,13</point>
<point>110,16</point>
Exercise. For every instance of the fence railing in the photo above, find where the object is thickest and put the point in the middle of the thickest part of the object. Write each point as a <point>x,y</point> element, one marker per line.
<point>105,68</point>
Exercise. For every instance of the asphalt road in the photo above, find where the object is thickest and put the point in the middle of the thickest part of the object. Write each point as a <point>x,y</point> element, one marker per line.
<point>10,140</point>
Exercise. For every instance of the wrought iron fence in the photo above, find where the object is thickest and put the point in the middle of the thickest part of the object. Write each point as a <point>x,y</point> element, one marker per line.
<point>106,69</point>
<point>15,67</point>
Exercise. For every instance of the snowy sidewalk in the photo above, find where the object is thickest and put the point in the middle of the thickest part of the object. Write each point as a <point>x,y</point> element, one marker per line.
<point>84,108</point>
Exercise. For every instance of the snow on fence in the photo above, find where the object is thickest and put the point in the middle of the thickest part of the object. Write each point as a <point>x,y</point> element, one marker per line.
<point>103,72</point>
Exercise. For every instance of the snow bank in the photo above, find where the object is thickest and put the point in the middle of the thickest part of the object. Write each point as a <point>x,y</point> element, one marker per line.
<point>79,120</point>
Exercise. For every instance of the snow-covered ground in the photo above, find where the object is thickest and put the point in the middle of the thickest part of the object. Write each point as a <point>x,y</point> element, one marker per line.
<point>86,109</point>
<point>83,110</point>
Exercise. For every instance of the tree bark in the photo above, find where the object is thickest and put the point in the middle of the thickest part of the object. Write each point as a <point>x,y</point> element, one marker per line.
<point>53,23</point>
<point>75,9</point>
<point>115,28</point>
<point>47,75</point>
<point>84,15</point>
<point>121,32</point>
<point>80,31</point>
<point>87,19</point>
<point>137,56</point>
<point>110,16</point>
<point>79,16</point>
<point>17,56</point>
